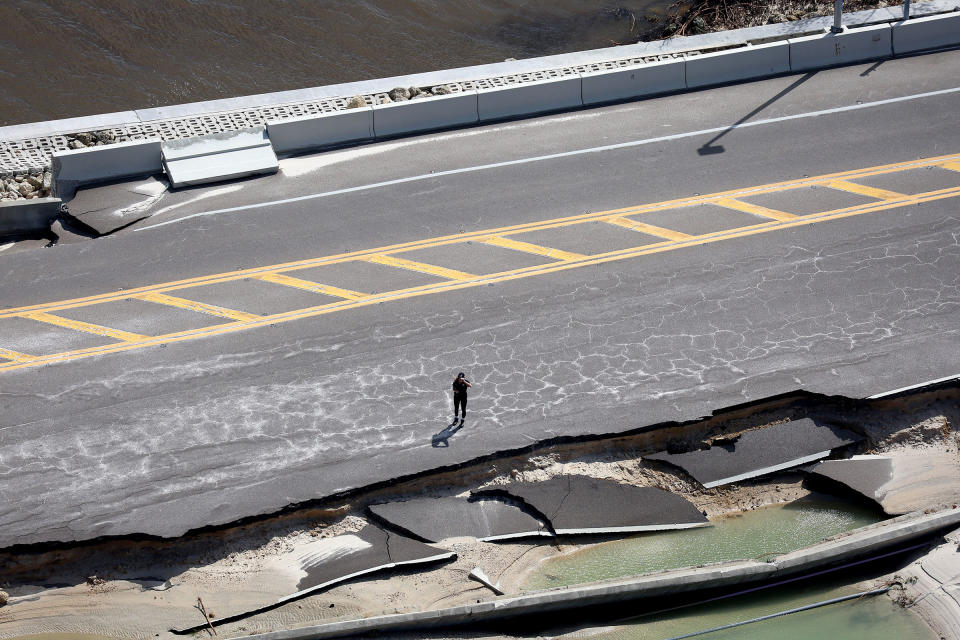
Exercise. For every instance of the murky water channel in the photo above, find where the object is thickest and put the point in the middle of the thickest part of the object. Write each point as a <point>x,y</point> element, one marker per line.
<point>754,534</point>
<point>869,618</point>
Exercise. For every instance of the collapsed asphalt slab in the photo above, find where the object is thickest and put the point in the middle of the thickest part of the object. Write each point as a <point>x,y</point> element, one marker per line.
<point>436,519</point>
<point>334,560</point>
<point>759,452</point>
<point>579,504</point>
<point>867,476</point>
<point>330,561</point>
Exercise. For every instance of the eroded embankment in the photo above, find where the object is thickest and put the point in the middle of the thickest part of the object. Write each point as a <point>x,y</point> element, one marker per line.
<point>134,588</point>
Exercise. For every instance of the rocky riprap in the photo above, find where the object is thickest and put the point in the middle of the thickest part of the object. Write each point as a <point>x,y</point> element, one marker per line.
<point>25,186</point>
<point>402,94</point>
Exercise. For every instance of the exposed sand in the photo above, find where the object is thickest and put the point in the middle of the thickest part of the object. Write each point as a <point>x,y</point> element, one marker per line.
<point>143,589</point>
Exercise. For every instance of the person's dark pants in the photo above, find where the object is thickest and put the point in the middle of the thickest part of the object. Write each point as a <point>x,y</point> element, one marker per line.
<point>460,404</point>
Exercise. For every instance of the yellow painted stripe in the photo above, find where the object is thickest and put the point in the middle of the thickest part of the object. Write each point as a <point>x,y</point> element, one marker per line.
<point>15,356</point>
<point>953,166</point>
<point>526,247</point>
<point>943,160</point>
<point>755,209</point>
<point>526,272</point>
<point>316,287</point>
<point>200,307</point>
<point>86,327</point>
<point>648,229</point>
<point>863,190</point>
<point>443,272</point>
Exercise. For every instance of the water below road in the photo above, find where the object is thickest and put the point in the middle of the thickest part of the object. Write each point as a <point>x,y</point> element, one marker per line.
<point>62,58</point>
<point>869,618</point>
<point>752,534</point>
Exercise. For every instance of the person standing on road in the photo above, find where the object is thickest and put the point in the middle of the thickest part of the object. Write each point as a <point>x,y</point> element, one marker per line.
<point>460,386</point>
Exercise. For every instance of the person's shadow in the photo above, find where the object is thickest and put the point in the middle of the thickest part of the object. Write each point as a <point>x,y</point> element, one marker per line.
<point>441,439</point>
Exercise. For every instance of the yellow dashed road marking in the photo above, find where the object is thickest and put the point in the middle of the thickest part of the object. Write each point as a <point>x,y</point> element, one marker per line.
<point>535,249</point>
<point>86,327</point>
<point>400,263</point>
<point>316,287</point>
<point>648,229</point>
<point>16,357</point>
<point>755,209</point>
<point>456,279</point>
<point>200,307</point>
<point>863,190</point>
<point>940,161</point>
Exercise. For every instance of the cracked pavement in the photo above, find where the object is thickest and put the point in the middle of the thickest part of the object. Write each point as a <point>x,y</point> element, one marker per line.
<point>165,440</point>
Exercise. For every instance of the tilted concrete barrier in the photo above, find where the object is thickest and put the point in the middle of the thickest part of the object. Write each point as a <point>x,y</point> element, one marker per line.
<point>218,157</point>
<point>28,216</point>
<point>99,164</point>
<point>850,45</point>
<point>743,63</point>
<point>321,130</point>
<point>932,32</point>
<point>529,98</point>
<point>425,114</point>
<point>647,79</point>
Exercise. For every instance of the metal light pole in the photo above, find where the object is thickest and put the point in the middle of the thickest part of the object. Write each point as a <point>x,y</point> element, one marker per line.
<point>837,11</point>
<point>906,9</point>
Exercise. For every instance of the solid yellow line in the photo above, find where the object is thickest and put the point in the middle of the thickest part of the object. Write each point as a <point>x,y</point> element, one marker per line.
<point>505,276</point>
<point>535,249</point>
<point>755,209</point>
<point>952,166</point>
<point>15,356</point>
<point>649,229</point>
<point>401,263</point>
<point>86,327</point>
<point>863,190</point>
<point>200,307</point>
<point>316,287</point>
<point>452,239</point>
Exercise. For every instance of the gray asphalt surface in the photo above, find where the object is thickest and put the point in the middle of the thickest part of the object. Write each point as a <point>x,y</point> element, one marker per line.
<point>162,440</point>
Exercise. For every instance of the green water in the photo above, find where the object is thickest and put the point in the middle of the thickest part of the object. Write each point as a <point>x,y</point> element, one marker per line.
<point>869,618</point>
<point>754,534</point>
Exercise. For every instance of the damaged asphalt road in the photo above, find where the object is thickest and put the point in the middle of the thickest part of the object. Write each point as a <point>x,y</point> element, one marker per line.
<point>163,440</point>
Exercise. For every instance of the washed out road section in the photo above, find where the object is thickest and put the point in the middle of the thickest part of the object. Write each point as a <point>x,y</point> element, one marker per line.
<point>204,432</point>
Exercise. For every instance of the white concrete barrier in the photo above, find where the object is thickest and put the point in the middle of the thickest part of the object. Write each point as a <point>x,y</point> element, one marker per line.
<point>28,216</point>
<point>850,45</point>
<point>743,63</point>
<point>647,79</point>
<point>528,98</point>
<point>932,32</point>
<point>100,164</point>
<point>425,114</point>
<point>219,157</point>
<point>321,130</point>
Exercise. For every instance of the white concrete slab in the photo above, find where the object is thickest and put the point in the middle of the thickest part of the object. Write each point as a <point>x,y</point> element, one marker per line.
<point>222,156</point>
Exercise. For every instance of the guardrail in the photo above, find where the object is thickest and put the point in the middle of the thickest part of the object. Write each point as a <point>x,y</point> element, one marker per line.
<point>476,94</point>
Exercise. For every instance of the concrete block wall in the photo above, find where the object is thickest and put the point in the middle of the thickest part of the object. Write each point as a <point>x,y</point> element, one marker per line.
<point>647,79</point>
<point>28,216</point>
<point>109,162</point>
<point>412,116</point>
<point>921,34</point>
<point>327,129</point>
<point>742,63</point>
<point>830,49</point>
<point>529,98</point>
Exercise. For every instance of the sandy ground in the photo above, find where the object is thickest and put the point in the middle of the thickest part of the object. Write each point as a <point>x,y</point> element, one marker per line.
<point>136,589</point>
